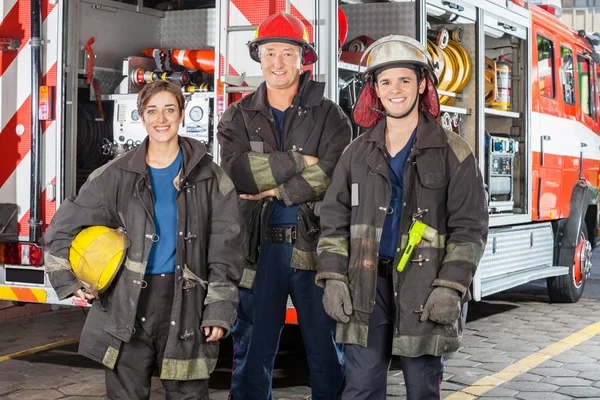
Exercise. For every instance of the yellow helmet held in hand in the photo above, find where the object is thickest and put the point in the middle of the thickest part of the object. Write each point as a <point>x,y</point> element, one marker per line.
<point>96,255</point>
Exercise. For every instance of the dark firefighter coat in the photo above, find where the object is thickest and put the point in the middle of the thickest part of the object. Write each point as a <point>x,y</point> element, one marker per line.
<point>443,182</point>
<point>208,256</point>
<point>250,155</point>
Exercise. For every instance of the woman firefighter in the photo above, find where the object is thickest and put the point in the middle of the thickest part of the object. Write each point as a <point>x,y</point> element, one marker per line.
<point>175,225</point>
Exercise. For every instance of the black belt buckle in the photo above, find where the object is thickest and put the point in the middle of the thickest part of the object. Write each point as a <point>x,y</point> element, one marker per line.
<point>287,234</point>
<point>384,267</point>
<point>291,234</point>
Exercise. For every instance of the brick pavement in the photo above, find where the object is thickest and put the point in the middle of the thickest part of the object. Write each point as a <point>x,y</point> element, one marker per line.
<point>501,331</point>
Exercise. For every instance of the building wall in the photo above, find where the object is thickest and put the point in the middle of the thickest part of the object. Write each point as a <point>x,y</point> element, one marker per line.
<point>587,18</point>
<point>580,3</point>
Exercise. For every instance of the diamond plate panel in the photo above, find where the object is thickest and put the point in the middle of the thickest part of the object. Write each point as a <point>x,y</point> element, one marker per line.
<point>117,34</point>
<point>517,249</point>
<point>189,29</point>
<point>109,79</point>
<point>381,19</point>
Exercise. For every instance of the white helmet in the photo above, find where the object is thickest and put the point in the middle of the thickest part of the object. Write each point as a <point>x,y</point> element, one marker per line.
<point>394,51</point>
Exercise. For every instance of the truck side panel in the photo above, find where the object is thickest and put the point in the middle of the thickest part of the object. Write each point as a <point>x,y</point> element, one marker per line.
<point>15,109</point>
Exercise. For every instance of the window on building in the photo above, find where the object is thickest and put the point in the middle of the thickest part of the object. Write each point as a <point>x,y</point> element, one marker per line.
<point>545,49</point>
<point>567,75</point>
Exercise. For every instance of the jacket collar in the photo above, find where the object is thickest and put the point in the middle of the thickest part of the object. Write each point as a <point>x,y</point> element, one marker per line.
<point>193,151</point>
<point>310,94</point>
<point>429,133</point>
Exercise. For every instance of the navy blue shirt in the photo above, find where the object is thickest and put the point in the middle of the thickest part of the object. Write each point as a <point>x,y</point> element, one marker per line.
<point>162,254</point>
<point>391,227</point>
<point>280,214</point>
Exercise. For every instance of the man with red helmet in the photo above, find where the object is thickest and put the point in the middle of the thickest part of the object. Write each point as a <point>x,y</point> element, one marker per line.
<point>280,145</point>
<point>405,168</point>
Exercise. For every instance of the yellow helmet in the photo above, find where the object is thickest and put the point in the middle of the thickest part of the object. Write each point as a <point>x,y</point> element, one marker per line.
<point>96,255</point>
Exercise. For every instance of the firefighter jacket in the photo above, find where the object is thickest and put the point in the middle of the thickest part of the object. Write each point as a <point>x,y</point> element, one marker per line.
<point>442,182</point>
<point>209,261</point>
<point>250,154</point>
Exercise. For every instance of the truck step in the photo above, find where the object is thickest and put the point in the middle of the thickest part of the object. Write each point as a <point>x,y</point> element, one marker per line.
<point>501,283</point>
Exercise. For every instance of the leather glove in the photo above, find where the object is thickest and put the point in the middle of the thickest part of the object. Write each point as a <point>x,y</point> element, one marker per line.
<point>336,301</point>
<point>442,306</point>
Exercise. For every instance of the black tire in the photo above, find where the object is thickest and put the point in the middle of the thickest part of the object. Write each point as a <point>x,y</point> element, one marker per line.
<point>564,288</point>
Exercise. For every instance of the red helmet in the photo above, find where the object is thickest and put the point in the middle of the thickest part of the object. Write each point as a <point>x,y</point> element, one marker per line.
<point>283,27</point>
<point>342,27</point>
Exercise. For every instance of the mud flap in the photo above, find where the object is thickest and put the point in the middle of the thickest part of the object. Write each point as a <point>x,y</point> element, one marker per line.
<point>567,231</point>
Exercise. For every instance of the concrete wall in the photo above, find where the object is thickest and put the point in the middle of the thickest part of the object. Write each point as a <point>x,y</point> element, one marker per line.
<point>587,19</point>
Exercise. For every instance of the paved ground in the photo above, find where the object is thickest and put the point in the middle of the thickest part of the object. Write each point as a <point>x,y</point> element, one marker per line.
<point>516,346</point>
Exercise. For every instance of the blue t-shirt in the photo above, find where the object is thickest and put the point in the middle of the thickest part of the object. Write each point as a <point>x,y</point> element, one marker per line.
<point>280,214</point>
<point>391,227</point>
<point>162,254</point>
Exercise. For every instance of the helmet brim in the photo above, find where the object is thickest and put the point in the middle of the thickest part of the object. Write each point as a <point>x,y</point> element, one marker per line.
<point>309,54</point>
<point>373,71</point>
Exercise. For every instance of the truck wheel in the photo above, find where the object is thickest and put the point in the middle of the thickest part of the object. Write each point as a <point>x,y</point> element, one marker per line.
<point>569,288</point>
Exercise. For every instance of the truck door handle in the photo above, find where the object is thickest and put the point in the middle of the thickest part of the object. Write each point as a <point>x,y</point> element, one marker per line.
<point>543,138</point>
<point>453,6</point>
<point>507,26</point>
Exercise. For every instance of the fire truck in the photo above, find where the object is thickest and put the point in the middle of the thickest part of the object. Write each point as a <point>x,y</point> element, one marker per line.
<point>517,84</point>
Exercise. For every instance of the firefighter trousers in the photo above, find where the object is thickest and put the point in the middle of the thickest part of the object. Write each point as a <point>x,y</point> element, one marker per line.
<point>367,367</point>
<point>130,380</point>
<point>261,318</point>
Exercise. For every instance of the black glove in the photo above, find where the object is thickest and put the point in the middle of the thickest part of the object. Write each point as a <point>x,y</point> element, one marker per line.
<point>336,301</point>
<point>442,306</point>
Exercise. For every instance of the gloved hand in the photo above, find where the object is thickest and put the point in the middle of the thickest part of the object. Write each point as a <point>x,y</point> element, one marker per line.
<point>442,306</point>
<point>336,300</point>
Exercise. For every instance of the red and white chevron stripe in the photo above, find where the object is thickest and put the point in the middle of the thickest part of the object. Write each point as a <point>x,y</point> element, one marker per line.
<point>15,107</point>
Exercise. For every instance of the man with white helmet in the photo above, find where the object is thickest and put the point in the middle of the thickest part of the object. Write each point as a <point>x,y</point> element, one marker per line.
<point>280,145</point>
<point>405,168</point>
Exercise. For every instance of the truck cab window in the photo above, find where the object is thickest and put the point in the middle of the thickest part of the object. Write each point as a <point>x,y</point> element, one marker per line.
<point>567,75</point>
<point>545,48</point>
<point>586,85</point>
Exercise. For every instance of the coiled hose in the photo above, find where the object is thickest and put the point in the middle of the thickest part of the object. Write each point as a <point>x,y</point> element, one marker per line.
<point>90,135</point>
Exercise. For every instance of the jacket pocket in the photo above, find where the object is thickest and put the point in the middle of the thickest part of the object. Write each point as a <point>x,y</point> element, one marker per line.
<point>251,212</point>
<point>431,169</point>
<point>191,280</point>
<point>194,292</point>
<point>257,127</point>
<point>309,221</point>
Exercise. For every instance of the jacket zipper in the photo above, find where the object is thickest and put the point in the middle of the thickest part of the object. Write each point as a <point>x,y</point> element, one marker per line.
<point>287,122</point>
<point>398,285</point>
<point>389,183</point>
<point>148,213</point>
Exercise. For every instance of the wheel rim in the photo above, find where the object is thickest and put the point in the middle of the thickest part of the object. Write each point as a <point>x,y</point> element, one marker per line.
<point>583,261</point>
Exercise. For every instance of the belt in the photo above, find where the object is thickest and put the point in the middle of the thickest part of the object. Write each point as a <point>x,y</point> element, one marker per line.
<point>284,234</point>
<point>385,267</point>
